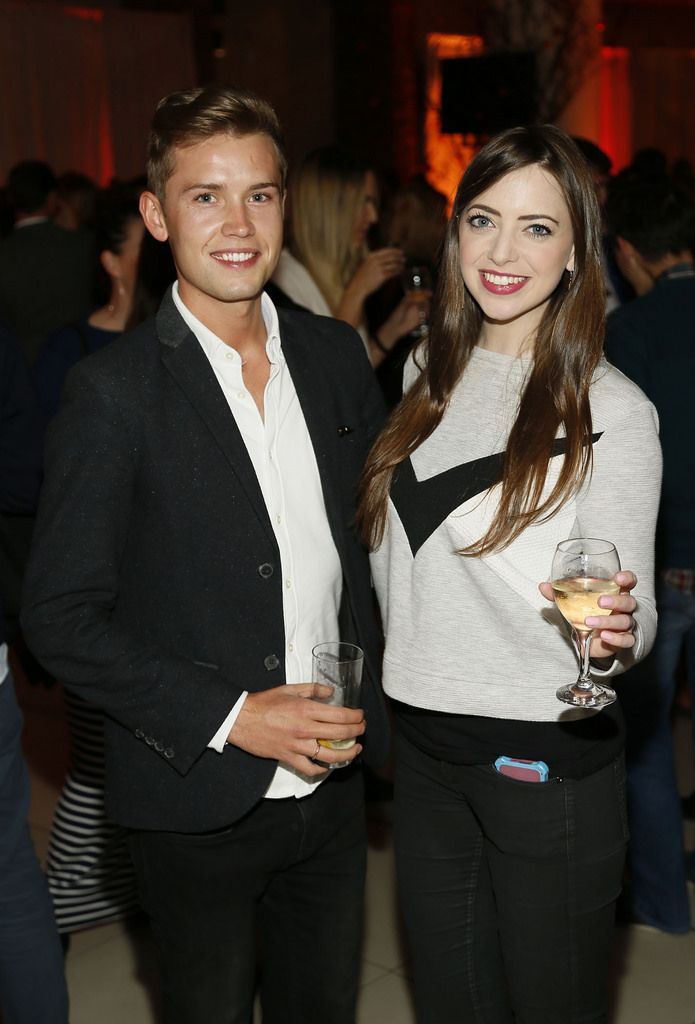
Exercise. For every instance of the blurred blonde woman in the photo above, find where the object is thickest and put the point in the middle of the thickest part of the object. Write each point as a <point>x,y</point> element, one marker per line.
<point>328,267</point>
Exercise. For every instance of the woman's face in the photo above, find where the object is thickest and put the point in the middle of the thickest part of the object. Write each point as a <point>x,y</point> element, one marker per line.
<point>368,212</point>
<point>515,242</point>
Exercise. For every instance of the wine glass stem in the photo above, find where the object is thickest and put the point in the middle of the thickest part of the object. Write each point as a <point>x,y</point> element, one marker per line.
<point>584,682</point>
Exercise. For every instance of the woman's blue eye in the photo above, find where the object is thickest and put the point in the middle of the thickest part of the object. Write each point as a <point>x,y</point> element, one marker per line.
<point>540,230</point>
<point>479,220</point>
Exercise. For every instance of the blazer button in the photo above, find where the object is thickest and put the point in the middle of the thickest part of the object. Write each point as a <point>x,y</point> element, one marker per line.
<point>271,662</point>
<point>149,740</point>
<point>139,734</point>
<point>159,747</point>
<point>266,570</point>
<point>169,753</point>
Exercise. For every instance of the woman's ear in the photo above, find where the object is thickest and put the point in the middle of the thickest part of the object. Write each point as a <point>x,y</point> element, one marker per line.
<point>109,261</point>
<point>570,262</point>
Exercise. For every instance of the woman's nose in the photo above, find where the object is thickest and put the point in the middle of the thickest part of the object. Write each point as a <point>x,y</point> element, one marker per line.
<point>503,248</point>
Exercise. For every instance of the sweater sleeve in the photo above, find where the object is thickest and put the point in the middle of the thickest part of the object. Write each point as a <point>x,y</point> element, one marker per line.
<point>620,503</point>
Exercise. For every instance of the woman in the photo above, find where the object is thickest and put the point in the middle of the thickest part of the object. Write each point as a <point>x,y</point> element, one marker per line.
<point>509,886</point>
<point>329,269</point>
<point>118,236</point>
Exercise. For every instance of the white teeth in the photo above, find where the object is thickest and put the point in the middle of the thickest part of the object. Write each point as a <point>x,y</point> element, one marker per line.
<point>234,257</point>
<point>502,280</point>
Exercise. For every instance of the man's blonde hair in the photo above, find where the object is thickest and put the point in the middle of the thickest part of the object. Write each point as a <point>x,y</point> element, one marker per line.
<point>185,118</point>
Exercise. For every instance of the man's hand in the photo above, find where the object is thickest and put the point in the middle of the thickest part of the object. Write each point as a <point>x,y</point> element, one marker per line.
<point>285,724</point>
<point>620,635</point>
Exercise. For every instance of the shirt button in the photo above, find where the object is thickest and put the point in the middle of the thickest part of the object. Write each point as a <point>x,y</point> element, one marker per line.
<point>229,355</point>
<point>288,583</point>
<point>271,662</point>
<point>266,570</point>
<point>278,519</point>
<point>290,648</point>
<point>241,395</point>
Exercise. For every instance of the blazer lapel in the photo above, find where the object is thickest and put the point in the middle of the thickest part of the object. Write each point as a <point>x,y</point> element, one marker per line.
<point>189,366</point>
<point>320,415</point>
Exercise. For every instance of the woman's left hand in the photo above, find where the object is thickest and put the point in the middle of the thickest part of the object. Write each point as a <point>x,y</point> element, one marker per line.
<point>605,642</point>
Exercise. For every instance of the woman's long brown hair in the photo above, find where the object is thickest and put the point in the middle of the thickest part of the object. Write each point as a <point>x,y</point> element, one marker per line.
<point>567,350</point>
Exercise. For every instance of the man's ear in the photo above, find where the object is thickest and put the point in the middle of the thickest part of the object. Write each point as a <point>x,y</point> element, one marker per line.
<point>153,215</point>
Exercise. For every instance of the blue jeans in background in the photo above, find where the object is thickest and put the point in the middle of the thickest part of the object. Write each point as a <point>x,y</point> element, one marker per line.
<point>656,858</point>
<point>32,981</point>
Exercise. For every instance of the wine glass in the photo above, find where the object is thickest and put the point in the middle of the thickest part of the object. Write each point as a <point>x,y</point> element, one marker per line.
<point>417,281</point>
<point>583,569</point>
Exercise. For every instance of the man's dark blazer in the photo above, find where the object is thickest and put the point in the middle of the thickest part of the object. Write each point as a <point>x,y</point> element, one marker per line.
<point>155,588</point>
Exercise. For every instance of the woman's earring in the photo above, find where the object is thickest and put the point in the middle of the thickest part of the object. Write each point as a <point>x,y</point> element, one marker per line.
<point>571,277</point>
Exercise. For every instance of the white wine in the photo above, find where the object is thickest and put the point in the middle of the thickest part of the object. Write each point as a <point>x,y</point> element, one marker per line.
<point>577,598</point>
<point>338,744</point>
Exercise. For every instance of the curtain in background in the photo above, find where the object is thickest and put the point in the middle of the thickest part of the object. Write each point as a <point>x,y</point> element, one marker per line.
<point>147,56</point>
<point>663,84</point>
<point>78,85</point>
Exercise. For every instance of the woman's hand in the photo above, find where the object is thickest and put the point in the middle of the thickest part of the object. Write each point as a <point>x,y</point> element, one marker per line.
<point>407,315</point>
<point>377,267</point>
<point>607,641</point>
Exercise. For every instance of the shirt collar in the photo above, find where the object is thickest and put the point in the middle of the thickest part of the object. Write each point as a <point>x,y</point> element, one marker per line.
<point>212,345</point>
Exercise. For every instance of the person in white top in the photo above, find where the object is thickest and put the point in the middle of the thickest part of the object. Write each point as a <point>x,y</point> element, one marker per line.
<point>514,435</point>
<point>328,267</point>
<point>195,540</point>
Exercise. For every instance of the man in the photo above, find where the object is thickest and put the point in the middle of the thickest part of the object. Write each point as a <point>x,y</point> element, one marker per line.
<point>195,540</point>
<point>32,984</point>
<point>652,340</point>
<point>46,272</point>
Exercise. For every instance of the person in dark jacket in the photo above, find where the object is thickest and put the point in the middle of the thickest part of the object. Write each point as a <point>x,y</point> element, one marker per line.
<point>652,340</point>
<point>32,982</point>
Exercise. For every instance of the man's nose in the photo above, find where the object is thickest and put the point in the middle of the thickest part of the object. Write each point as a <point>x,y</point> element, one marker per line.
<point>237,220</point>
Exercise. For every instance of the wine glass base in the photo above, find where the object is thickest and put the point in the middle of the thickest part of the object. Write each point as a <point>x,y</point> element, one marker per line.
<point>595,697</point>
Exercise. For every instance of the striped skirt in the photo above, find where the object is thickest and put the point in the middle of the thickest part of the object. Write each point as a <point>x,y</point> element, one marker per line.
<point>89,871</point>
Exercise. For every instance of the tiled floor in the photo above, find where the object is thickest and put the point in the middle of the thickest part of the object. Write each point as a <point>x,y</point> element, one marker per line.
<point>111,971</point>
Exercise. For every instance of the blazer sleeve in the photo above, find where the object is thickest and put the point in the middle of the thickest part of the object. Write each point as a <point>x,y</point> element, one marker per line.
<point>70,609</point>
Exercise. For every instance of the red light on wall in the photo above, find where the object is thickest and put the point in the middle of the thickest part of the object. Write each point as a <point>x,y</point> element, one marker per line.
<point>85,13</point>
<point>447,156</point>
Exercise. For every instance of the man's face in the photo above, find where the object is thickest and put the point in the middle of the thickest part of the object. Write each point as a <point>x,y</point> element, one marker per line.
<point>222,214</point>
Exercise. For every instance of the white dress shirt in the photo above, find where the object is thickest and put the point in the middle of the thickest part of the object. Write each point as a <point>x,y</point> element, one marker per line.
<point>283,458</point>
